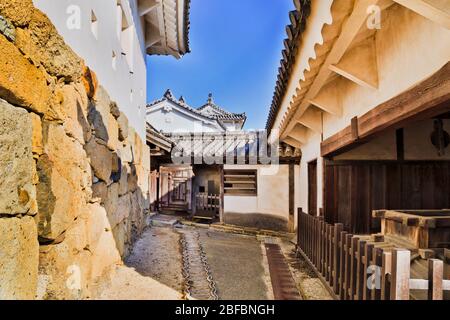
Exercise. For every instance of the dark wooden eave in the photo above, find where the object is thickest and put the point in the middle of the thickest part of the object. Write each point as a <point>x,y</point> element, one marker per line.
<point>428,99</point>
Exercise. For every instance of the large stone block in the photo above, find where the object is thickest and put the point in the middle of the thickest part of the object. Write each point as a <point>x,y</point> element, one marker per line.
<point>64,182</point>
<point>21,83</point>
<point>65,268</point>
<point>104,123</point>
<point>112,198</point>
<point>17,193</point>
<point>75,106</point>
<point>100,158</point>
<point>123,182</point>
<point>44,46</point>
<point>122,120</point>
<point>123,210</point>
<point>124,152</point>
<point>19,258</point>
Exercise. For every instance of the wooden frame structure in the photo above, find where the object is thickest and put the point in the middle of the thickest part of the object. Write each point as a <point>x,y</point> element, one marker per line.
<point>354,267</point>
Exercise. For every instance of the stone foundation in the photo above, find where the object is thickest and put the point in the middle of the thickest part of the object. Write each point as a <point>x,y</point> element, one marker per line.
<point>74,175</point>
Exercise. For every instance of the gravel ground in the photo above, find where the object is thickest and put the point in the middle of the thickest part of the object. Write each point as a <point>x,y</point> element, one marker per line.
<point>309,285</point>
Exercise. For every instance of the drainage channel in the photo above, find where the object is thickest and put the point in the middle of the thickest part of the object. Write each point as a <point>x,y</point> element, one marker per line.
<point>199,283</point>
<point>283,284</point>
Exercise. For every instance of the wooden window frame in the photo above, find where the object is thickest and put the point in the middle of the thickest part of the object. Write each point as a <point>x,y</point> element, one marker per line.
<point>236,191</point>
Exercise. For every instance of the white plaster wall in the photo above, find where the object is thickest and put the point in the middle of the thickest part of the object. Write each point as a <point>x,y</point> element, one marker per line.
<point>126,84</point>
<point>273,193</point>
<point>410,48</point>
<point>178,120</point>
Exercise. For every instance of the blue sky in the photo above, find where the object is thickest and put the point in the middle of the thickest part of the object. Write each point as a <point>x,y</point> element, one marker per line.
<point>235,52</point>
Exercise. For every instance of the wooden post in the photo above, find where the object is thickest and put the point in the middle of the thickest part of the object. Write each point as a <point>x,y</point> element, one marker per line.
<point>299,228</point>
<point>367,263</point>
<point>435,277</point>
<point>353,267</point>
<point>377,260</point>
<point>386,267</point>
<point>337,229</point>
<point>342,252</point>
<point>360,283</point>
<point>348,256</point>
<point>400,274</point>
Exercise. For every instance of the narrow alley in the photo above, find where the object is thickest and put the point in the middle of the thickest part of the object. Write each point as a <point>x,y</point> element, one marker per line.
<point>195,262</point>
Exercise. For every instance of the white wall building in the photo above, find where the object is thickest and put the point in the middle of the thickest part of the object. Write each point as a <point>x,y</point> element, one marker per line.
<point>114,36</point>
<point>169,115</point>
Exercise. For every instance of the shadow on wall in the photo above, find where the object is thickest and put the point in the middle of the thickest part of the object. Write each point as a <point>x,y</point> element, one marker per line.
<point>256,220</point>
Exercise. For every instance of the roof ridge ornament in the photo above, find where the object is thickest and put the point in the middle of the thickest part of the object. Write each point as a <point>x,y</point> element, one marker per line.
<point>210,99</point>
<point>182,99</point>
<point>168,94</point>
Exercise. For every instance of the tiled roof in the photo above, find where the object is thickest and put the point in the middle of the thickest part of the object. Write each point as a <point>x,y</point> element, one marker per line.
<point>187,25</point>
<point>294,32</point>
<point>218,114</point>
<point>244,144</point>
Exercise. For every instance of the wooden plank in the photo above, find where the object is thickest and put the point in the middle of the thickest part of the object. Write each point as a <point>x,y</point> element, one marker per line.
<point>385,275</point>
<point>367,262</point>
<point>424,100</point>
<point>348,256</point>
<point>342,253</point>
<point>353,267</point>
<point>435,279</point>
<point>360,281</point>
<point>337,229</point>
<point>400,273</point>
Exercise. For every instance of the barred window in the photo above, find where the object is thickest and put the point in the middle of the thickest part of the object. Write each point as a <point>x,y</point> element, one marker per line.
<point>240,182</point>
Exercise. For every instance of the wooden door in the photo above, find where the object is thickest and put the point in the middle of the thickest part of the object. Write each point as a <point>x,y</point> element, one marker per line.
<point>312,188</point>
<point>175,188</point>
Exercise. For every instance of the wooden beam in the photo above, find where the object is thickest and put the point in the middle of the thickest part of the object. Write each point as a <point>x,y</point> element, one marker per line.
<point>437,11</point>
<point>360,65</point>
<point>349,31</point>
<point>427,99</point>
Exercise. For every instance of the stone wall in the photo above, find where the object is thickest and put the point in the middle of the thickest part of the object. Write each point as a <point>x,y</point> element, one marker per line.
<point>73,174</point>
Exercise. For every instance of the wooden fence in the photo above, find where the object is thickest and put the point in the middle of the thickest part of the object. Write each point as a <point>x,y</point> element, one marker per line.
<point>355,267</point>
<point>207,205</point>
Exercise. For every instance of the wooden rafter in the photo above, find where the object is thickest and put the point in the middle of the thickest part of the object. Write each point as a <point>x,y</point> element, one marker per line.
<point>312,118</point>
<point>349,31</point>
<point>360,65</point>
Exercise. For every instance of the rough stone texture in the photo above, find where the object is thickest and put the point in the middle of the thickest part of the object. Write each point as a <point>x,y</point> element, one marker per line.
<point>37,142</point>
<point>123,182</point>
<point>100,158</point>
<point>17,193</point>
<point>50,158</point>
<point>44,46</point>
<point>100,190</point>
<point>17,11</point>
<point>75,105</point>
<point>105,125</point>
<point>65,268</point>
<point>19,257</point>
<point>122,120</point>
<point>64,177</point>
<point>125,154</point>
<point>7,28</point>
<point>122,210</point>
<point>114,109</point>
<point>21,83</point>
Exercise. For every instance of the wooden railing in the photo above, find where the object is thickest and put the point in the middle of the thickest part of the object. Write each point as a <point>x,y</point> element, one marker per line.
<point>355,267</point>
